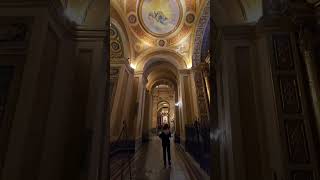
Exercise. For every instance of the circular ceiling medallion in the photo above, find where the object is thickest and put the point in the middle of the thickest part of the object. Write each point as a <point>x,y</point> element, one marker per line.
<point>160,17</point>
<point>190,18</point>
<point>132,19</point>
<point>161,43</point>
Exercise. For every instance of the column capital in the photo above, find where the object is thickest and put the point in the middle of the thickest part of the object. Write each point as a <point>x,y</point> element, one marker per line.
<point>141,74</point>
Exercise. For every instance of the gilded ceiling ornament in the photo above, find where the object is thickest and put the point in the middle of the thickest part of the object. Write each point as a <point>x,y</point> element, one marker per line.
<point>160,17</point>
<point>116,46</point>
<point>190,17</point>
<point>132,19</point>
<point>162,43</point>
<point>151,19</point>
<point>138,47</point>
<point>202,23</point>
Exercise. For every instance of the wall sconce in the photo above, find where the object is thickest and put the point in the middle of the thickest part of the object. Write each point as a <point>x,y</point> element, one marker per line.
<point>178,104</point>
<point>131,65</point>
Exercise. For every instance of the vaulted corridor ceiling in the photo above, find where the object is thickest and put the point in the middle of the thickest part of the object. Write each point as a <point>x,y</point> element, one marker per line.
<point>157,28</point>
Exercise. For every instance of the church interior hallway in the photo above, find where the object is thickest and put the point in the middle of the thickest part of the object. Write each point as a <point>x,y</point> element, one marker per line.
<point>86,85</point>
<point>158,77</point>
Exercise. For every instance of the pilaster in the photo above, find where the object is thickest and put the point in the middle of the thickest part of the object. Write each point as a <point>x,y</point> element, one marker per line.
<point>285,105</point>
<point>140,109</point>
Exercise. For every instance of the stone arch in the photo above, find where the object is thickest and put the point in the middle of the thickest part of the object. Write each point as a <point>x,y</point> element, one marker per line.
<point>149,57</point>
<point>161,102</point>
<point>169,82</point>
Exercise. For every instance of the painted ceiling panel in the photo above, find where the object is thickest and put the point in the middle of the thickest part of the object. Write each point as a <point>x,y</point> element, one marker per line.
<point>160,24</point>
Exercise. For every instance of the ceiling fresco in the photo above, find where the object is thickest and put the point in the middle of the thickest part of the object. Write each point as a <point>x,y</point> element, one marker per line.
<point>160,17</point>
<point>160,25</point>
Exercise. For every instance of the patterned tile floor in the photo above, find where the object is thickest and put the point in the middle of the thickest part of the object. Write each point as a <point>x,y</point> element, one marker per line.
<point>149,166</point>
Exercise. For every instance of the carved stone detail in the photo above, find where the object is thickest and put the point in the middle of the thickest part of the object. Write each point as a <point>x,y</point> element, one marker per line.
<point>292,120</point>
<point>302,175</point>
<point>13,32</point>
<point>289,92</point>
<point>114,72</point>
<point>116,43</point>
<point>204,20</point>
<point>283,52</point>
<point>201,98</point>
<point>297,141</point>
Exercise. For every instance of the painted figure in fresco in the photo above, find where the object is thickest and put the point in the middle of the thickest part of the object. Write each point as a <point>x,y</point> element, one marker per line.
<point>159,17</point>
<point>165,138</point>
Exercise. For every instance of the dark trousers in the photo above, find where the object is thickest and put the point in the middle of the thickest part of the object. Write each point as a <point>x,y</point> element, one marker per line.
<point>166,149</point>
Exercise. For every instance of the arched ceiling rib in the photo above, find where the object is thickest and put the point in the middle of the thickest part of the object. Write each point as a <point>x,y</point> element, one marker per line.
<point>154,55</point>
<point>157,26</point>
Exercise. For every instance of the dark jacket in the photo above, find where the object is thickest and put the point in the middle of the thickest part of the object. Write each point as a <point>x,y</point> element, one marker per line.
<point>165,138</point>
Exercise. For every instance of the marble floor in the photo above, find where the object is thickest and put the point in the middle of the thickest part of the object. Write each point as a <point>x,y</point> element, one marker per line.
<point>149,165</point>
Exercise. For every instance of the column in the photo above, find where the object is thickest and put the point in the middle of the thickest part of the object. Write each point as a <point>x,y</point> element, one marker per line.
<point>140,110</point>
<point>285,104</point>
<point>185,102</point>
<point>306,49</point>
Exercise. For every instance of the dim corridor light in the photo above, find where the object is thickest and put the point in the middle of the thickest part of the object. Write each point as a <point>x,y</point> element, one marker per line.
<point>178,103</point>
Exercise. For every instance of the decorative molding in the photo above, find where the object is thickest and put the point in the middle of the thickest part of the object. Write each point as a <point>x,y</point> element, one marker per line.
<point>198,38</point>
<point>190,17</point>
<point>292,120</point>
<point>116,43</point>
<point>297,141</point>
<point>201,97</point>
<point>302,175</point>
<point>114,72</point>
<point>14,32</point>
<point>289,94</point>
<point>283,52</point>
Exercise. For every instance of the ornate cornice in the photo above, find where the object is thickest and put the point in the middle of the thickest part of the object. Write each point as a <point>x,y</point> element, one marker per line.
<point>238,32</point>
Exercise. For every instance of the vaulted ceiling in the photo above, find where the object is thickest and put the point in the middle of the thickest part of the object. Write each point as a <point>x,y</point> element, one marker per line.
<point>159,26</point>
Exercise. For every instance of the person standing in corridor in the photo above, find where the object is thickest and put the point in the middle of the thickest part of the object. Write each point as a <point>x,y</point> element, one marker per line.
<point>165,138</point>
